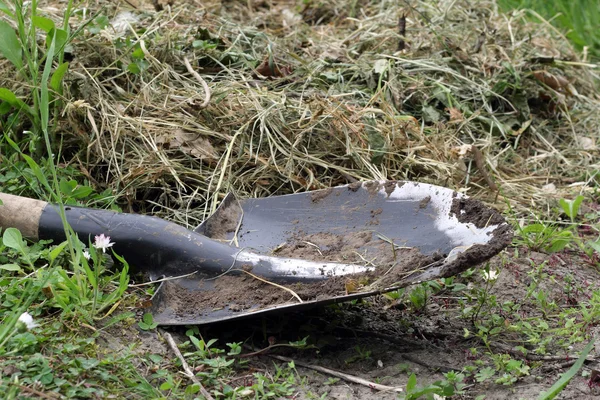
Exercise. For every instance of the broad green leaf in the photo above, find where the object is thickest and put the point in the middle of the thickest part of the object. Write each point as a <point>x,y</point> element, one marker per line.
<point>99,23</point>
<point>134,68</point>
<point>66,187</point>
<point>9,97</point>
<point>571,207</point>
<point>58,76</point>
<point>148,319</point>
<point>81,192</point>
<point>198,343</point>
<point>45,24</point>
<point>138,53</point>
<point>12,238</point>
<point>411,384</point>
<point>5,108</point>
<point>59,37</point>
<point>10,267</point>
<point>10,45</point>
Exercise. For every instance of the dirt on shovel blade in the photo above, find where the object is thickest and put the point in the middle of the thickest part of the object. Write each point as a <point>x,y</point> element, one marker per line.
<point>245,292</point>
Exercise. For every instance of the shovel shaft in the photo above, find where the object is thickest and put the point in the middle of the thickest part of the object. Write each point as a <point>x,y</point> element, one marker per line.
<point>157,247</point>
<point>148,243</point>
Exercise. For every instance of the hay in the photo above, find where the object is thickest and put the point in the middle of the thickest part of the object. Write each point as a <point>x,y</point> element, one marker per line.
<point>333,101</point>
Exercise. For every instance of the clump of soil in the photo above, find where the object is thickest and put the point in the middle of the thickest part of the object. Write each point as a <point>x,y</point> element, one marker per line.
<point>224,220</point>
<point>324,246</point>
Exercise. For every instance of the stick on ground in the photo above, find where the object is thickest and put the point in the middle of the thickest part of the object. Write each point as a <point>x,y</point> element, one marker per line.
<point>184,364</point>
<point>341,375</point>
<point>202,82</point>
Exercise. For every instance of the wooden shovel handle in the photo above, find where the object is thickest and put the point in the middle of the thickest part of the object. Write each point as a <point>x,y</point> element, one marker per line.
<point>21,213</point>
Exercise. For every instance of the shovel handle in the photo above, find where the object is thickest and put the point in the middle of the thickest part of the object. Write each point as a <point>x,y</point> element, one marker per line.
<point>21,213</point>
<point>155,246</point>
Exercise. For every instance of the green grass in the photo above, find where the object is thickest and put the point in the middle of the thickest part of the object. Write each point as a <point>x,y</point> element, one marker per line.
<point>579,20</point>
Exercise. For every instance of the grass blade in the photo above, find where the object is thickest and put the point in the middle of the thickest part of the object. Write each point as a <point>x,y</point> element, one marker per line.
<point>567,376</point>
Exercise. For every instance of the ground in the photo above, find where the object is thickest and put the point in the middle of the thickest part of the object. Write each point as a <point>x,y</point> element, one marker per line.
<point>384,341</point>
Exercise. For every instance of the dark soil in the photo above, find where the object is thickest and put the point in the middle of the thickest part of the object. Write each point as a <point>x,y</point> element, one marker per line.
<point>241,291</point>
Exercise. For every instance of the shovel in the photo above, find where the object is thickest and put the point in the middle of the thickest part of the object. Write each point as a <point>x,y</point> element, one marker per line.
<point>291,252</point>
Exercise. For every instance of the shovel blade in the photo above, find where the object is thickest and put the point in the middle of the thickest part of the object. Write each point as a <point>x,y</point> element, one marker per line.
<point>396,233</point>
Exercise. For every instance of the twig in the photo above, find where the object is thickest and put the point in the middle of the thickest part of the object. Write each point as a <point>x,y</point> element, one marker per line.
<point>402,32</point>
<point>400,339</point>
<point>433,367</point>
<point>271,283</point>
<point>480,162</point>
<point>237,230</point>
<point>338,374</point>
<point>535,357</point>
<point>201,80</point>
<point>266,349</point>
<point>230,267</point>
<point>184,364</point>
<point>171,278</point>
<point>562,365</point>
<point>39,394</point>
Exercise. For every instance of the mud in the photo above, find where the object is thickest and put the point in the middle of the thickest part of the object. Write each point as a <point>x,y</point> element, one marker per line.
<point>319,195</point>
<point>473,211</point>
<point>423,203</point>
<point>225,220</point>
<point>239,291</point>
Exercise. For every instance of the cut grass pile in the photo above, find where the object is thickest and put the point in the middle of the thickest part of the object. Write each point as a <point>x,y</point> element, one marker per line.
<point>310,95</point>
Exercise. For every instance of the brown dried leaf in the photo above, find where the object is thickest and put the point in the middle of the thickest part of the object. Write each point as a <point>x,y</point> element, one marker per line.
<point>455,115</point>
<point>271,69</point>
<point>351,286</point>
<point>189,143</point>
<point>555,82</point>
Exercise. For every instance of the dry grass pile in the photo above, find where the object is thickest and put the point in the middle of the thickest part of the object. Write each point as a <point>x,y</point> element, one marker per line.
<point>310,94</point>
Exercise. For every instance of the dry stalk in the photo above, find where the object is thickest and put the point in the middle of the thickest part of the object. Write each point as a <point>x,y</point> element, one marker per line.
<point>186,368</point>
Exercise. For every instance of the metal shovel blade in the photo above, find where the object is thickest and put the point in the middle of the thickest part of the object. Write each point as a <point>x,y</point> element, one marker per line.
<point>346,242</point>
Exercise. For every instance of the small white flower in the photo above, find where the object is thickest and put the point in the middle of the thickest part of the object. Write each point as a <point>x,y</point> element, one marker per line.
<point>490,275</point>
<point>27,320</point>
<point>102,242</point>
<point>86,254</point>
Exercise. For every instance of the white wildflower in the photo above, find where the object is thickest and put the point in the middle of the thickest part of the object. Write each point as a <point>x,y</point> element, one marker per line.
<point>27,320</point>
<point>102,242</point>
<point>490,275</point>
<point>86,254</point>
